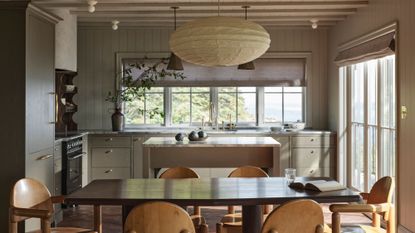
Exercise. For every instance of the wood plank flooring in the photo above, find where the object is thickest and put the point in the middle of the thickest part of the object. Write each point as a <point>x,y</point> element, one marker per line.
<point>82,216</point>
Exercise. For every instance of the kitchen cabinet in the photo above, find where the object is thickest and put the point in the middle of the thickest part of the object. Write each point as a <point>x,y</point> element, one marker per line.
<point>57,170</point>
<point>110,157</point>
<point>39,166</point>
<point>313,155</point>
<point>85,161</point>
<point>40,84</point>
<point>27,63</point>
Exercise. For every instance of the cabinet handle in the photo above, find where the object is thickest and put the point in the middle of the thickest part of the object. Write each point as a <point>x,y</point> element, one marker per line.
<point>108,151</point>
<point>44,157</point>
<point>108,139</point>
<point>135,140</point>
<point>312,152</point>
<point>311,171</point>
<point>108,171</point>
<point>312,140</point>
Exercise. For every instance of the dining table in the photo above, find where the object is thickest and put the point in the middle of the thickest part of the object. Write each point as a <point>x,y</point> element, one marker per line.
<point>250,193</point>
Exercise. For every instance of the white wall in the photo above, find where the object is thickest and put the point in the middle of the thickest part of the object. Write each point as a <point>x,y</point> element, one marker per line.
<point>66,41</point>
<point>378,14</point>
<point>97,47</point>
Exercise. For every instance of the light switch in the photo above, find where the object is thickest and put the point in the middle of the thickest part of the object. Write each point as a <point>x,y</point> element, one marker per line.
<point>404,112</point>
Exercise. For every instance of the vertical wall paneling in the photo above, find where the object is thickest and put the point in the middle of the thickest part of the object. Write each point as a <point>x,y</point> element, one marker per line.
<point>96,58</point>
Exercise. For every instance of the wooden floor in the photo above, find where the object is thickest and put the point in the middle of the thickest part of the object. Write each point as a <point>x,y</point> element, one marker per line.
<point>81,216</point>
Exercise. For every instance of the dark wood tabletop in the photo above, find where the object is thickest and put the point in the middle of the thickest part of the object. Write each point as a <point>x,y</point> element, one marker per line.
<point>208,192</point>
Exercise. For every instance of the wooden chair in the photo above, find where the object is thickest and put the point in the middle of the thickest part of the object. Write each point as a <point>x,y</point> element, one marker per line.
<point>158,217</point>
<point>183,173</point>
<point>305,216</point>
<point>232,222</point>
<point>31,199</point>
<point>378,202</point>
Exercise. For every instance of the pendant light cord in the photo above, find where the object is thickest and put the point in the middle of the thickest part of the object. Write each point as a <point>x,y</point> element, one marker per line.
<point>175,19</point>
<point>218,7</point>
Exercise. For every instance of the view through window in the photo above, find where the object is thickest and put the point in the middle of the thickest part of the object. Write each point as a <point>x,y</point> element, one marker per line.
<point>191,106</point>
<point>372,112</point>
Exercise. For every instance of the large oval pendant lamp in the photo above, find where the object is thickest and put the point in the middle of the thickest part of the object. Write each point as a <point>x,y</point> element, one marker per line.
<point>219,41</point>
<point>174,61</point>
<point>249,65</point>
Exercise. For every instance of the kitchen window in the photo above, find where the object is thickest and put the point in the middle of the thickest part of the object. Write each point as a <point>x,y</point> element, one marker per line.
<point>153,100</point>
<point>237,104</point>
<point>190,106</point>
<point>283,104</point>
<point>370,89</point>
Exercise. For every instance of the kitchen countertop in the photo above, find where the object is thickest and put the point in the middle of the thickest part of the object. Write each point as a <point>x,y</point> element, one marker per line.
<point>213,142</point>
<point>174,131</point>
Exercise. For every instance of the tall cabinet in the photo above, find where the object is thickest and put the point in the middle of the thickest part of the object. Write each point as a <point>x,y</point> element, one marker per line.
<point>28,71</point>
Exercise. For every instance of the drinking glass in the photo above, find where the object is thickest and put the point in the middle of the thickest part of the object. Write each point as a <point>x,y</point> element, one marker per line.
<point>290,174</point>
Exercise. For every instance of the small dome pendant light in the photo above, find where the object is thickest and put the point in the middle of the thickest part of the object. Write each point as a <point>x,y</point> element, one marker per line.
<point>314,24</point>
<point>91,5</point>
<point>175,63</point>
<point>249,65</point>
<point>115,24</point>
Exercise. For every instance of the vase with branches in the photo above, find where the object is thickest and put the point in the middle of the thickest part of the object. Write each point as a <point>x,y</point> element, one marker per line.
<point>134,81</point>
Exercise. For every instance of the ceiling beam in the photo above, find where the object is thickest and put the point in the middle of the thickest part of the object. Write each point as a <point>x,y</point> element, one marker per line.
<point>170,24</point>
<point>187,19</point>
<point>201,13</point>
<point>197,5</point>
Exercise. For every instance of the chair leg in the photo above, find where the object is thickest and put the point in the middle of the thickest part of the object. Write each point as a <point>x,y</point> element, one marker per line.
<point>13,227</point>
<point>375,220</point>
<point>335,222</point>
<point>45,225</point>
<point>391,224</point>
<point>203,228</point>
<point>219,228</point>
<point>196,210</point>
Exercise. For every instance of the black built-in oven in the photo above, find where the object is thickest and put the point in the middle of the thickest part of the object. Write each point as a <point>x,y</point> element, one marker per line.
<point>71,165</point>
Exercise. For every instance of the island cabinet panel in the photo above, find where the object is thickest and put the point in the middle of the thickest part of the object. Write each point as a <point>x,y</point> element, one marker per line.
<point>138,156</point>
<point>110,157</point>
<point>285,153</point>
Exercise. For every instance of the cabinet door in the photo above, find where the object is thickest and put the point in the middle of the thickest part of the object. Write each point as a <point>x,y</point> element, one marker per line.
<point>284,153</point>
<point>40,85</point>
<point>138,157</point>
<point>39,166</point>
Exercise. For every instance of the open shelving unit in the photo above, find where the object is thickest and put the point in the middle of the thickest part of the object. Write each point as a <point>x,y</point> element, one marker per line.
<point>65,106</point>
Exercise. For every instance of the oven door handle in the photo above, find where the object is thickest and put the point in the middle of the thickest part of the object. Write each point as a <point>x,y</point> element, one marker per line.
<point>77,156</point>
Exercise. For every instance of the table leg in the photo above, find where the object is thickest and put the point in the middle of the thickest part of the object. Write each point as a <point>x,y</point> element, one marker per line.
<point>251,218</point>
<point>126,209</point>
<point>98,218</point>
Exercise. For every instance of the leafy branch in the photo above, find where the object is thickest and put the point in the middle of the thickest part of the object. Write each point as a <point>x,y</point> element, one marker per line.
<point>134,88</point>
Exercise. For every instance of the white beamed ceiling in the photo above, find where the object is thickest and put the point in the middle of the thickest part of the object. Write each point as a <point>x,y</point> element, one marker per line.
<point>158,12</point>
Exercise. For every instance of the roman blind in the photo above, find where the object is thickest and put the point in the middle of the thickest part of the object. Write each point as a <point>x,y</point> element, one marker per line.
<point>376,48</point>
<point>268,72</point>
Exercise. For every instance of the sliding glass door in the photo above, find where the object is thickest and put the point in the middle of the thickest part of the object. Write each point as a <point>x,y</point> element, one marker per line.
<point>371,121</point>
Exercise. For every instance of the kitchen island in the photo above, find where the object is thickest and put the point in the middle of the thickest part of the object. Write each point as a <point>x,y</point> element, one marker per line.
<point>215,152</point>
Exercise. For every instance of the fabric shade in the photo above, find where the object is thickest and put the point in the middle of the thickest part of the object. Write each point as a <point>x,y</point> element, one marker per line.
<point>268,72</point>
<point>379,47</point>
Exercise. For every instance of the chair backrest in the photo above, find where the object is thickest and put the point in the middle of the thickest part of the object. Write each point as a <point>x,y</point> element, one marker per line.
<point>28,192</point>
<point>158,217</point>
<point>382,191</point>
<point>305,216</point>
<point>248,171</point>
<point>178,173</point>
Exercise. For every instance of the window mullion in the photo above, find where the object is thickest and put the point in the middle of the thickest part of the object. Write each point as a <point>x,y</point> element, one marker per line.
<point>260,106</point>
<point>167,106</point>
<point>379,119</point>
<point>366,129</point>
<point>215,102</point>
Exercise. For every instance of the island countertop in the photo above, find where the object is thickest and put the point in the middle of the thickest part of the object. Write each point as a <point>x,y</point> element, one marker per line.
<point>213,142</point>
